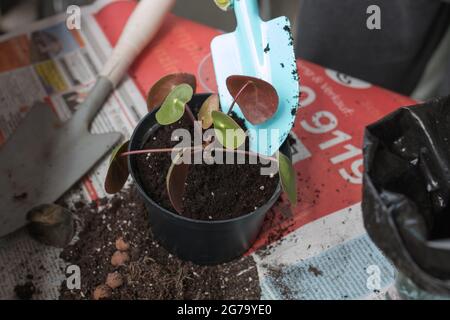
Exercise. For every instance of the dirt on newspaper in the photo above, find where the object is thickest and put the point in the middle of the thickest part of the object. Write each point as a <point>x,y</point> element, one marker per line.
<point>119,259</point>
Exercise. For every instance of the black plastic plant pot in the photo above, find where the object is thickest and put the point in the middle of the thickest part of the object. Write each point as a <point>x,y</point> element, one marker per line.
<point>202,242</point>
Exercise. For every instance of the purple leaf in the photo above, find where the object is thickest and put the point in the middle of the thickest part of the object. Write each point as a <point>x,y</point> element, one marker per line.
<point>257,99</point>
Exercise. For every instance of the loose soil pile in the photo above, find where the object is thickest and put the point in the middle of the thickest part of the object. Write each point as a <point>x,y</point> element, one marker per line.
<point>118,232</point>
<point>213,192</point>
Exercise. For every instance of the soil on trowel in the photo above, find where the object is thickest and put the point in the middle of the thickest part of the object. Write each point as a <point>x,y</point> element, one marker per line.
<point>117,232</point>
<point>213,192</point>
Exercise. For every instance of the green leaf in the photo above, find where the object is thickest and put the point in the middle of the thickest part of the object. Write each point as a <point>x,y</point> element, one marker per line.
<point>176,182</point>
<point>288,178</point>
<point>173,107</point>
<point>224,4</point>
<point>228,132</point>
<point>257,99</point>
<point>161,89</point>
<point>205,114</point>
<point>118,170</point>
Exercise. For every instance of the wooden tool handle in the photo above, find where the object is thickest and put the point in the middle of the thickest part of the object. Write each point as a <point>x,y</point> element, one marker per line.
<point>139,30</point>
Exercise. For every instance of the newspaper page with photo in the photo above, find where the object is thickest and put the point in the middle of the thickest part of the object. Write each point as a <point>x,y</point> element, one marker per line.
<point>317,250</point>
<point>50,63</point>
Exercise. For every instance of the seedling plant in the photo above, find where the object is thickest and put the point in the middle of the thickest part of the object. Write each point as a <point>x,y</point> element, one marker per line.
<point>258,101</point>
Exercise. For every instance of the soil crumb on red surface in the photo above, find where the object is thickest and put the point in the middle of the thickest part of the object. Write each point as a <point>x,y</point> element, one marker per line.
<point>151,272</point>
<point>278,223</point>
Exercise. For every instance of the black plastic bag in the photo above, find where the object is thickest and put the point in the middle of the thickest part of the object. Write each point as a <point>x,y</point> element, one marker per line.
<point>406,191</point>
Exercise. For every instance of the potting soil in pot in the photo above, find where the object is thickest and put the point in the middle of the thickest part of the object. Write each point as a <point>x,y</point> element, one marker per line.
<point>116,240</point>
<point>213,192</point>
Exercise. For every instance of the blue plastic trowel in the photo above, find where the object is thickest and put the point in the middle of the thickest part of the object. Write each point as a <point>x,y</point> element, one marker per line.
<point>262,50</point>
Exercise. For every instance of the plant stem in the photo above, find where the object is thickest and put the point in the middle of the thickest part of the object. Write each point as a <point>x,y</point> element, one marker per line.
<point>237,96</point>
<point>190,114</point>
<point>249,153</point>
<point>193,119</point>
<point>164,150</point>
<point>168,150</point>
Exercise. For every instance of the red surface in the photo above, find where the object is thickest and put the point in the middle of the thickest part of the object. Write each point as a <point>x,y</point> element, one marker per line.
<point>324,187</point>
<point>326,180</point>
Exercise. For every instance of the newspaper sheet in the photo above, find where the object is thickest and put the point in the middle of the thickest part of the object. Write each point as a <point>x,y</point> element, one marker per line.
<point>321,248</point>
<point>48,62</point>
